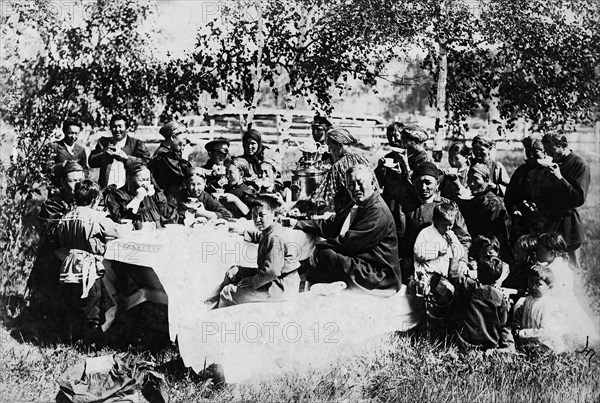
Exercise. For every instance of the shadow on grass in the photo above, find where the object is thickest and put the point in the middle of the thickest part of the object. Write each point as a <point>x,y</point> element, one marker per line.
<point>142,328</point>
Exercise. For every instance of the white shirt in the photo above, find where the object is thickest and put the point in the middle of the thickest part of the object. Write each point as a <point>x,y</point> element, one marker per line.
<point>429,244</point>
<point>117,168</point>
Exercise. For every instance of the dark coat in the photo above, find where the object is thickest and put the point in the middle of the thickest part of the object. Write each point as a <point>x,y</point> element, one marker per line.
<point>485,214</point>
<point>169,169</point>
<point>58,153</point>
<point>210,204</point>
<point>480,316</point>
<point>152,209</point>
<point>135,148</point>
<point>422,216</point>
<point>370,241</point>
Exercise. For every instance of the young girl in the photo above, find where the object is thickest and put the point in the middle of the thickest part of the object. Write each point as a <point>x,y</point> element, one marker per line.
<point>198,202</point>
<point>552,250</point>
<point>238,196</point>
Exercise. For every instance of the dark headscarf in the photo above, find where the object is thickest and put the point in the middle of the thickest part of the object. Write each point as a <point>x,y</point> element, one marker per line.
<point>259,156</point>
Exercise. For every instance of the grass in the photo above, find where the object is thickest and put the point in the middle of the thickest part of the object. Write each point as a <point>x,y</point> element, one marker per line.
<point>395,367</point>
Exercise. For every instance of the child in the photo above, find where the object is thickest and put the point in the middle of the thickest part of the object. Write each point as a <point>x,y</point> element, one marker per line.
<point>438,254</point>
<point>525,258</point>
<point>437,244</point>
<point>552,250</point>
<point>199,204</point>
<point>481,312</point>
<point>454,182</point>
<point>536,317</point>
<point>238,196</point>
<point>499,177</point>
<point>276,278</point>
<point>84,232</point>
<point>270,184</point>
<point>484,247</point>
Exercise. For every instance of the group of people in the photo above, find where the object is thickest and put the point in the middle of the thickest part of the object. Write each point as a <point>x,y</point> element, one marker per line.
<point>453,235</point>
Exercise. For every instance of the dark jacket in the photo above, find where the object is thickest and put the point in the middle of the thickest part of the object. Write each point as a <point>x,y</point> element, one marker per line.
<point>371,238</point>
<point>58,153</point>
<point>480,316</point>
<point>135,148</point>
<point>210,204</point>
<point>152,209</point>
<point>169,169</point>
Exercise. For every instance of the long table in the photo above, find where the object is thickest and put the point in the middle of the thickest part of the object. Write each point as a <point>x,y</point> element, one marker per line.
<point>185,267</point>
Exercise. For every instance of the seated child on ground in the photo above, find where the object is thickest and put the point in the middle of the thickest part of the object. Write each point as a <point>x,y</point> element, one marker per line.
<point>238,196</point>
<point>552,250</point>
<point>536,318</point>
<point>277,277</point>
<point>199,205</point>
<point>525,258</point>
<point>84,232</point>
<point>483,248</point>
<point>480,314</point>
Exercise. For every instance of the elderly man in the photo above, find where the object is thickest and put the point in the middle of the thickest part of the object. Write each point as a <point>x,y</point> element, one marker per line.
<point>168,165</point>
<point>332,191</point>
<point>360,246</point>
<point>426,179</point>
<point>567,192</point>
<point>112,153</point>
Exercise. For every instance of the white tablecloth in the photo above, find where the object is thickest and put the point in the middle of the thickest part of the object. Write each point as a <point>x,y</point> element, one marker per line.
<point>190,264</point>
<point>260,338</point>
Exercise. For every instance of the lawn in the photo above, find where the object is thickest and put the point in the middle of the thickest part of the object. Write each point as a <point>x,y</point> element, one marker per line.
<point>394,367</point>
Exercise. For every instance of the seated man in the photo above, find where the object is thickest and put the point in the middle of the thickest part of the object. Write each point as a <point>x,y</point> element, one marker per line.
<point>139,200</point>
<point>361,247</point>
<point>199,205</point>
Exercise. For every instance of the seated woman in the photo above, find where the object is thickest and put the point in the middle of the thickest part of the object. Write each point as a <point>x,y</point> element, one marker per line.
<point>197,203</point>
<point>238,196</point>
<point>139,200</point>
<point>254,151</point>
<point>332,194</point>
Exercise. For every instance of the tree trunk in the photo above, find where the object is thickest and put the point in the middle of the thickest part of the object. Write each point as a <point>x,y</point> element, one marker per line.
<point>257,74</point>
<point>440,111</point>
